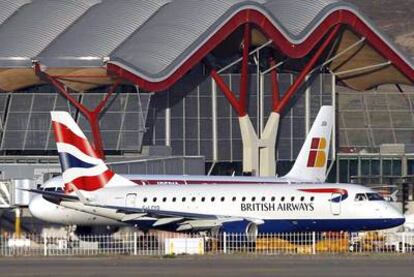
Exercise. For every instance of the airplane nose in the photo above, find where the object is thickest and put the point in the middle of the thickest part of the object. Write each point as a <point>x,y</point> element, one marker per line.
<point>40,208</point>
<point>395,215</point>
<point>35,206</point>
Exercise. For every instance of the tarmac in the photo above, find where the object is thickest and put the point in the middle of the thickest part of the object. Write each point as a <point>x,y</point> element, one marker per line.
<point>218,265</point>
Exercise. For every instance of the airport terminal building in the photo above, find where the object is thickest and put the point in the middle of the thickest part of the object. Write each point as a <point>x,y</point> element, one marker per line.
<point>171,86</point>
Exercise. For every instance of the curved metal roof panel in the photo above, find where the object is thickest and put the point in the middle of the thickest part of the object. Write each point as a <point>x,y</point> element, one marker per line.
<point>177,28</point>
<point>27,32</point>
<point>180,29</point>
<point>8,7</point>
<point>96,34</point>
<point>296,17</point>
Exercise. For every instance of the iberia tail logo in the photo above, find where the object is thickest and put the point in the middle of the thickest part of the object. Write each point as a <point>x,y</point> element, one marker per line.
<point>317,153</point>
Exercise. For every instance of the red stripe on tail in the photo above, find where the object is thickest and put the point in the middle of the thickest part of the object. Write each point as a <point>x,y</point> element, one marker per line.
<point>64,135</point>
<point>312,158</point>
<point>315,143</point>
<point>90,183</point>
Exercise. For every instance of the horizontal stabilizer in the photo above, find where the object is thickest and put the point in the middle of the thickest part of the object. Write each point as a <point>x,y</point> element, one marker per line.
<point>53,196</point>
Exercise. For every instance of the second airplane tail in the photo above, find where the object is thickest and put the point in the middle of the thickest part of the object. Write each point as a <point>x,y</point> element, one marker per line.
<point>81,166</point>
<point>312,160</point>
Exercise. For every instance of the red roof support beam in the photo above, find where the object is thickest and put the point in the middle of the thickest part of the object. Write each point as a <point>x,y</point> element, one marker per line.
<point>275,85</point>
<point>93,118</point>
<point>244,79</point>
<point>308,67</point>
<point>91,115</point>
<point>227,92</point>
<point>239,105</point>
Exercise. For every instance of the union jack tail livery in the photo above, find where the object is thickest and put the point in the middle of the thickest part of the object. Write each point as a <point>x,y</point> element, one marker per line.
<point>81,166</point>
<point>311,162</point>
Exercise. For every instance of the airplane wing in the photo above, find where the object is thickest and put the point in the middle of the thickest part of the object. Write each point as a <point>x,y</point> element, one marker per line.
<point>184,221</point>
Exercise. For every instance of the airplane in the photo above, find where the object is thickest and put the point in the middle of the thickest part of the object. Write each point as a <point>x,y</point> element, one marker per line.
<point>51,212</point>
<point>300,201</point>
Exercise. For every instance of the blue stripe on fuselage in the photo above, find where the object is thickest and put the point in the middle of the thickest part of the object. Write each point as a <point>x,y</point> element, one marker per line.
<point>308,225</point>
<point>68,161</point>
<point>326,225</point>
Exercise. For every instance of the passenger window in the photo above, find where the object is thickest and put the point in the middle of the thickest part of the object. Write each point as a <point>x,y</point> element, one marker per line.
<point>203,199</point>
<point>222,199</point>
<point>234,198</point>
<point>183,199</point>
<point>243,199</point>
<point>292,198</point>
<point>193,199</point>
<point>360,197</point>
<point>154,199</point>
<point>273,199</point>
<point>212,199</point>
<point>312,198</point>
<point>253,199</point>
<point>302,199</point>
<point>145,199</point>
<point>282,199</point>
<point>174,199</point>
<point>164,199</point>
<point>263,199</point>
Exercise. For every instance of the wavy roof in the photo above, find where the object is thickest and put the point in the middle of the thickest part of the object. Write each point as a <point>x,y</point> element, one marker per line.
<point>98,33</point>
<point>154,43</point>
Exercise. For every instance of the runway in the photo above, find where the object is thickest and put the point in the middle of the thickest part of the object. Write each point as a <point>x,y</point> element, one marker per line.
<point>229,265</point>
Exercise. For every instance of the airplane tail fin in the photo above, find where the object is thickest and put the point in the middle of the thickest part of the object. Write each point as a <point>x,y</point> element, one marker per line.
<point>312,160</point>
<point>81,166</point>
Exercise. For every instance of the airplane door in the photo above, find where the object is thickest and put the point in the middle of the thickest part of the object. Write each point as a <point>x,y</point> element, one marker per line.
<point>336,203</point>
<point>130,199</point>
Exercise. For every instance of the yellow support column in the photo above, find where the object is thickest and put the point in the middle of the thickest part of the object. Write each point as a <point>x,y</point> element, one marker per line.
<point>17,229</point>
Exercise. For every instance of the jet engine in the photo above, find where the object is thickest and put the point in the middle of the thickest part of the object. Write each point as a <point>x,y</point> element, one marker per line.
<point>248,228</point>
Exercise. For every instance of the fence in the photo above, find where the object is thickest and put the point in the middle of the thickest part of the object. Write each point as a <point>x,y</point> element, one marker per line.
<point>159,244</point>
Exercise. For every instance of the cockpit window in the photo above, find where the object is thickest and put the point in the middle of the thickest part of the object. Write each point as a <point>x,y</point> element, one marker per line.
<point>50,189</point>
<point>372,196</point>
<point>375,197</point>
<point>360,197</point>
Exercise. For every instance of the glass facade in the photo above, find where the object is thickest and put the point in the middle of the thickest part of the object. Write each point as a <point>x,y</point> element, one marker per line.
<point>191,116</point>
<point>183,119</point>
<point>27,121</point>
<point>123,124</point>
<point>372,118</point>
<point>26,124</point>
<point>374,169</point>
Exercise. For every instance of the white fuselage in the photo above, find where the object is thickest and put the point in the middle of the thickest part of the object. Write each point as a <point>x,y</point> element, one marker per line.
<point>282,205</point>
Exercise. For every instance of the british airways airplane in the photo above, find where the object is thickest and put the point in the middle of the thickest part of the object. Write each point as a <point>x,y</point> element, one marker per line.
<point>298,202</point>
